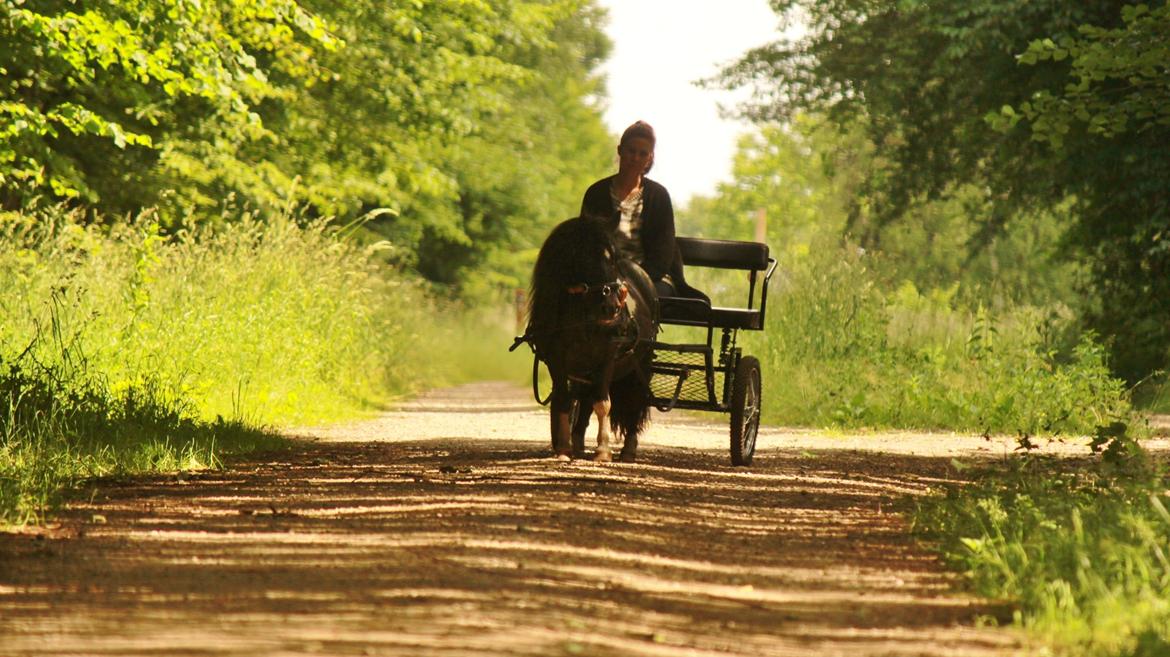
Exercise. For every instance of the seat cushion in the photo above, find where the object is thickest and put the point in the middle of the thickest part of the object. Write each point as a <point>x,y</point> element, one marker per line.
<point>697,312</point>
<point>737,318</point>
<point>723,254</point>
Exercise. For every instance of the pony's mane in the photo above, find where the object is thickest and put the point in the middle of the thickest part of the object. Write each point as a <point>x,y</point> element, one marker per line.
<point>560,264</point>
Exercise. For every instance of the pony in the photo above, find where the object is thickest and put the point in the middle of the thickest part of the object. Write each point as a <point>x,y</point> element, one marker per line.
<point>590,320</point>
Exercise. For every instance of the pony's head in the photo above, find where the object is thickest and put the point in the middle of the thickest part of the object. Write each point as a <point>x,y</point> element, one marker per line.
<point>576,279</point>
<point>603,302</point>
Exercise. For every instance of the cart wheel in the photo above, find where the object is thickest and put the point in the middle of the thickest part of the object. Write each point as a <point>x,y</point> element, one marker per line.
<point>745,410</point>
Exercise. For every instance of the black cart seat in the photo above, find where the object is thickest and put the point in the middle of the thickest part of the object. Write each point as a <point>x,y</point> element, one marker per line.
<point>720,254</point>
<point>697,312</point>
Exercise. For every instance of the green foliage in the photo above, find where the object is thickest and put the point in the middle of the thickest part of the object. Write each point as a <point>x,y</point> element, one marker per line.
<point>525,169</point>
<point>938,90</point>
<point>1120,82</point>
<point>81,84</point>
<point>475,123</point>
<point>122,350</point>
<point>1079,548</point>
<point>805,177</point>
<point>268,320</point>
<point>413,80</point>
<point>902,334</point>
<point>844,351</point>
<point>1108,124</point>
<point>800,175</point>
<point>917,78</point>
<point>61,424</point>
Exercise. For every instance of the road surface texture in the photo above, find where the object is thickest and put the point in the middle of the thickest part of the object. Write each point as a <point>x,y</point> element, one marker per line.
<point>444,528</point>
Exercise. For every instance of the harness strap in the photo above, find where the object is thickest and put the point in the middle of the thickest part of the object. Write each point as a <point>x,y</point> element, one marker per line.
<point>527,338</point>
<point>536,381</point>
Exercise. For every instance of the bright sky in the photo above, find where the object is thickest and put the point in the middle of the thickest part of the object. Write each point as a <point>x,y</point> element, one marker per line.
<point>660,48</point>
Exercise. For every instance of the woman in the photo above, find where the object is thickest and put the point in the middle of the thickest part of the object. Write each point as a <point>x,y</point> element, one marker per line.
<point>640,213</point>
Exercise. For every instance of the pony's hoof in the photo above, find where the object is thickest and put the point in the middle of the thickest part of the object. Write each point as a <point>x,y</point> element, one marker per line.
<point>603,456</point>
<point>628,457</point>
<point>563,458</point>
<point>579,455</point>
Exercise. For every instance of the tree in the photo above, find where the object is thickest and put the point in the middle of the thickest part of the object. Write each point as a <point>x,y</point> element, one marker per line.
<point>928,81</point>
<point>89,93</point>
<point>806,176</point>
<point>474,122</point>
<point>1109,125</point>
<point>472,126</point>
<point>1120,79</point>
<point>526,167</point>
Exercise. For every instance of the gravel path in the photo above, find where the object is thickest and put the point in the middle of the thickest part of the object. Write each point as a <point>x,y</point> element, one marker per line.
<point>443,528</point>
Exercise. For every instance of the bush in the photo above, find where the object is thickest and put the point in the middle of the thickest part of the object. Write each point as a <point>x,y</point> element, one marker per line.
<point>839,349</point>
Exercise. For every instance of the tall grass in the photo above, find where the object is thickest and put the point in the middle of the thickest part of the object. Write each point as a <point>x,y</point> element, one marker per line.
<point>1081,548</point>
<point>844,348</point>
<point>56,432</point>
<point>124,350</point>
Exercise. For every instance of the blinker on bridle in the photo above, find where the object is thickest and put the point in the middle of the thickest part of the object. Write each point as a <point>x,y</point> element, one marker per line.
<point>604,289</point>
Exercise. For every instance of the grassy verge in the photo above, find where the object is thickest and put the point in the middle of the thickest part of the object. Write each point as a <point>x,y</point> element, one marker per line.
<point>1081,548</point>
<point>123,350</point>
<point>855,352</point>
<point>55,433</point>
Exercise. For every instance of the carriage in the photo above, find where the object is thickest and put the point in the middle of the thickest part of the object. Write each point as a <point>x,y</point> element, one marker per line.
<point>603,349</point>
<point>697,376</point>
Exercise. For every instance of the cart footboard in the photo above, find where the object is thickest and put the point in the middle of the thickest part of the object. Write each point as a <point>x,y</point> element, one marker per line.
<point>686,376</point>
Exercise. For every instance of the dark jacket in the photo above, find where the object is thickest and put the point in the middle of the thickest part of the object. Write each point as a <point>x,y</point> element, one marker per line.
<point>657,232</point>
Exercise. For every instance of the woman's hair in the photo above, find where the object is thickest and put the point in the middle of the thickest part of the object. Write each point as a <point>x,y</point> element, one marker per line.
<point>640,130</point>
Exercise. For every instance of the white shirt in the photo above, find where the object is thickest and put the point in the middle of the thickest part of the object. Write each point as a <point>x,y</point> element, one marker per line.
<point>630,225</point>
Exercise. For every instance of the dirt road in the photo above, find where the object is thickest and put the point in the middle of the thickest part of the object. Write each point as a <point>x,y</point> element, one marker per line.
<point>443,528</point>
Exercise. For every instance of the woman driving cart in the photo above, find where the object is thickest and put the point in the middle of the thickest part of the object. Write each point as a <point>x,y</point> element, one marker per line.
<point>639,213</point>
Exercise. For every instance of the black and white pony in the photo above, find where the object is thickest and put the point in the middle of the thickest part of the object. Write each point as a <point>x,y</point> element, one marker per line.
<point>591,322</point>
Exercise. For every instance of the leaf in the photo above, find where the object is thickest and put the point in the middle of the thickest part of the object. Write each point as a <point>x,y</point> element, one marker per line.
<point>975,545</point>
<point>119,136</point>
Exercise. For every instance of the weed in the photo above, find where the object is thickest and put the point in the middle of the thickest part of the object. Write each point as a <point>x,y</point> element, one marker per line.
<point>1080,547</point>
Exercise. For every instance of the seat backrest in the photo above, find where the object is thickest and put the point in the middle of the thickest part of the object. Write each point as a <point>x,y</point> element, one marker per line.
<point>723,254</point>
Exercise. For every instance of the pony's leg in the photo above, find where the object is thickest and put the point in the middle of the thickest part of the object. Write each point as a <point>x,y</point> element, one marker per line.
<point>630,449</point>
<point>580,424</point>
<point>601,409</point>
<point>560,433</point>
<point>559,409</point>
<point>603,406</point>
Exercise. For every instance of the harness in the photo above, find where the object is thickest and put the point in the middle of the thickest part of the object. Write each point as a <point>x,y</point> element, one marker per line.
<point>626,339</point>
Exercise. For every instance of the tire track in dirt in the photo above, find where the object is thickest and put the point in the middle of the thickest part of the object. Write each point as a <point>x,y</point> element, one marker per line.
<point>442,528</point>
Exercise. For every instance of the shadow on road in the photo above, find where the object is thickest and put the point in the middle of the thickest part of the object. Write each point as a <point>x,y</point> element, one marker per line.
<point>440,547</point>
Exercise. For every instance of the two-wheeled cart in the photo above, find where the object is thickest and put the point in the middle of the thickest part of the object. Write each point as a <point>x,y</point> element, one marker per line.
<point>698,376</point>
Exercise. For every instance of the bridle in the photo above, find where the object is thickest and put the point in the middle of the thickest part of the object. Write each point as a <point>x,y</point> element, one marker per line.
<point>604,289</point>
<point>627,341</point>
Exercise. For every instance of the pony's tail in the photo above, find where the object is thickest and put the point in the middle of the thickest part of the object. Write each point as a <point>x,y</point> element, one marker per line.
<point>630,411</point>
